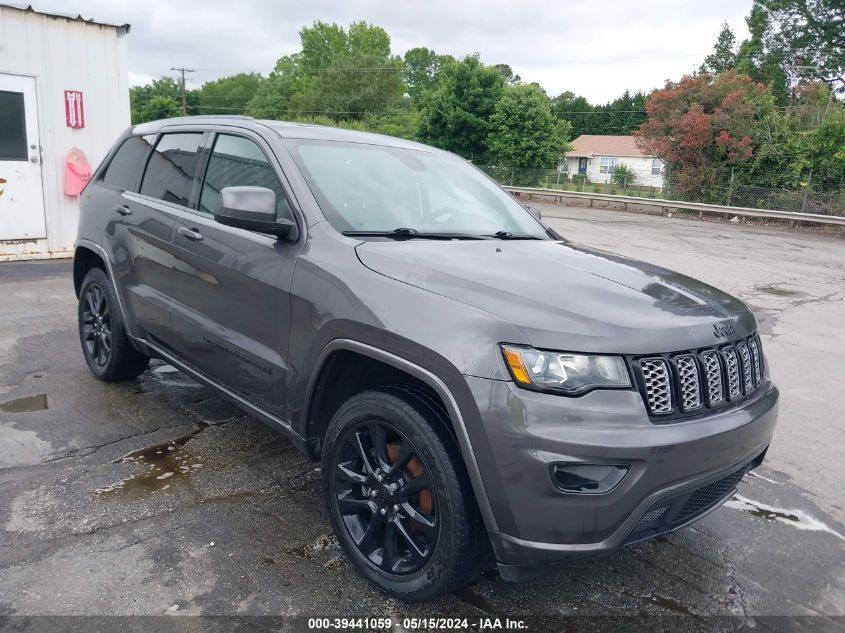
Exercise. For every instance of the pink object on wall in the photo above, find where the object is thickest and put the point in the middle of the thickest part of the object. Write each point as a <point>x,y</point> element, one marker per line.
<point>77,172</point>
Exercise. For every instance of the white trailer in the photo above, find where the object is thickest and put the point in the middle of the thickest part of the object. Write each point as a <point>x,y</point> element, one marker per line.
<point>63,85</point>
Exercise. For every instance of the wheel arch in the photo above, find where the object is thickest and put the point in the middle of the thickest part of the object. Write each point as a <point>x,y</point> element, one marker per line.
<point>84,259</point>
<point>320,405</point>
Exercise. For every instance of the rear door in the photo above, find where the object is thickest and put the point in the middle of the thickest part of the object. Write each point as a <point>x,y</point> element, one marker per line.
<point>232,309</point>
<point>140,232</point>
<point>21,197</point>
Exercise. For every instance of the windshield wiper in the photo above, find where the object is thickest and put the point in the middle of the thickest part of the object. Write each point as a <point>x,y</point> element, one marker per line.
<point>507,235</point>
<point>405,233</point>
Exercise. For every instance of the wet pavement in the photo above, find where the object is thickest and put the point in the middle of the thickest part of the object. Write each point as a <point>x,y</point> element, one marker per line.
<point>156,497</point>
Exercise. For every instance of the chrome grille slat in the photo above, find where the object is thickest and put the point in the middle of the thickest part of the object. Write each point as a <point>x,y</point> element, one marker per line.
<point>713,377</point>
<point>658,385</point>
<point>689,396</point>
<point>732,373</point>
<point>745,360</point>
<point>756,359</point>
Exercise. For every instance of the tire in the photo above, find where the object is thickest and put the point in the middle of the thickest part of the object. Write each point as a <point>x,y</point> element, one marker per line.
<point>430,546</point>
<point>106,347</point>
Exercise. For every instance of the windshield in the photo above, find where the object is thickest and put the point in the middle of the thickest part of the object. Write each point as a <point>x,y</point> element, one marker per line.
<point>372,188</point>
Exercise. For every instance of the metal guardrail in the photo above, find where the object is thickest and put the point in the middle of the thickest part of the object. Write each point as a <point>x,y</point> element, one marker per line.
<point>558,195</point>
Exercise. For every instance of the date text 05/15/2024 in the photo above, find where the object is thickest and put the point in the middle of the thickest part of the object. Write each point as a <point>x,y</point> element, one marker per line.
<point>412,624</point>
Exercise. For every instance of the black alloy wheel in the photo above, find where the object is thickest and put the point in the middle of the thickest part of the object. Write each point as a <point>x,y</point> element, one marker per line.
<point>108,350</point>
<point>97,325</point>
<point>385,497</point>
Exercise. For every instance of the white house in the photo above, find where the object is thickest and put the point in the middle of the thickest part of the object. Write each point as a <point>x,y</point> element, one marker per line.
<point>597,155</point>
<point>63,85</point>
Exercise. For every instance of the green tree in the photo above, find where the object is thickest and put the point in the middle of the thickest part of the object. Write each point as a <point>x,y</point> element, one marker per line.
<point>140,98</point>
<point>228,95</point>
<point>523,131</point>
<point>279,96</point>
<point>343,74</point>
<point>422,71</point>
<point>723,57</point>
<point>403,120</point>
<point>760,58</point>
<point>811,34</point>
<point>806,137</point>
<point>355,87</point>
<point>577,110</point>
<point>159,107</point>
<point>507,74</point>
<point>456,115</point>
<point>322,44</point>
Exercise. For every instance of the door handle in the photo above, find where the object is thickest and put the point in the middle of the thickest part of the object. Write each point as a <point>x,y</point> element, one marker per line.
<point>122,209</point>
<point>191,234</point>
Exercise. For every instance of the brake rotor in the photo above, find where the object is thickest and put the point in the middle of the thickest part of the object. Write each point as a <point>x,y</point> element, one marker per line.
<point>413,469</point>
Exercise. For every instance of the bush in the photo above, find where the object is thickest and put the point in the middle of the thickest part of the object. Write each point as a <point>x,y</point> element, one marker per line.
<point>579,179</point>
<point>623,176</point>
<point>596,189</point>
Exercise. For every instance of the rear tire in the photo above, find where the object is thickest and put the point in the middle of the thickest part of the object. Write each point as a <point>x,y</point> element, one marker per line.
<point>398,496</point>
<point>108,351</point>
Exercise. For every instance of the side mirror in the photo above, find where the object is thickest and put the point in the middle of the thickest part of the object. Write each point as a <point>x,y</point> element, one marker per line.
<point>254,209</point>
<point>535,212</point>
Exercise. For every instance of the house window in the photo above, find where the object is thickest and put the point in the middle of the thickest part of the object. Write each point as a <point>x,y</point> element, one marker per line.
<point>656,166</point>
<point>607,165</point>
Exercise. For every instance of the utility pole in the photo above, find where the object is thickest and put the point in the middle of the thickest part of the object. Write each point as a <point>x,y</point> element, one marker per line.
<point>183,70</point>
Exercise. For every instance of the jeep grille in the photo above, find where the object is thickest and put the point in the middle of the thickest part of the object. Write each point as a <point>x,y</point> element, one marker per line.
<point>688,382</point>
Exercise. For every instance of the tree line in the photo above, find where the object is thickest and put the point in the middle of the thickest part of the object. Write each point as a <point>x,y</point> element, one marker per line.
<point>767,109</point>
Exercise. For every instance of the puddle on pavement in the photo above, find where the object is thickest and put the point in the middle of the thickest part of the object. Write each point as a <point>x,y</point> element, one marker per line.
<point>662,602</point>
<point>795,518</point>
<point>169,376</point>
<point>778,291</point>
<point>161,465</point>
<point>26,404</point>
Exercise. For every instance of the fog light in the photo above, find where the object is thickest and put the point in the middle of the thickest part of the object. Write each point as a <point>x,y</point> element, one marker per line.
<point>593,479</point>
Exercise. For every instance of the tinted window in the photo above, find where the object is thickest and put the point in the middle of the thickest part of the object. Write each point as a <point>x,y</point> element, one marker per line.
<point>124,170</point>
<point>170,171</point>
<point>12,126</point>
<point>239,162</point>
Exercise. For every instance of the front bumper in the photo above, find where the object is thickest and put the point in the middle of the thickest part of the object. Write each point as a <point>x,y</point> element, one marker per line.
<point>527,431</point>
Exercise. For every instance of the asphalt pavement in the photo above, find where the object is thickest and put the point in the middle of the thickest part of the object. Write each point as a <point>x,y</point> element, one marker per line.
<point>91,523</point>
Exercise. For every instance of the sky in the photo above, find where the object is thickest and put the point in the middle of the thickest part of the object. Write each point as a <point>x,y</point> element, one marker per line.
<point>594,49</point>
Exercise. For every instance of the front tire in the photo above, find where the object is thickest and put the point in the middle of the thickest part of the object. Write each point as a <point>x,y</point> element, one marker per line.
<point>108,351</point>
<point>398,496</point>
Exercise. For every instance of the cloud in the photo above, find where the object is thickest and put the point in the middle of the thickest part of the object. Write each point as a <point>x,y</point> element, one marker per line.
<point>594,49</point>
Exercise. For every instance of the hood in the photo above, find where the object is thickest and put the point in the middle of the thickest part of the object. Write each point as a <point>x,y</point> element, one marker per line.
<point>565,296</point>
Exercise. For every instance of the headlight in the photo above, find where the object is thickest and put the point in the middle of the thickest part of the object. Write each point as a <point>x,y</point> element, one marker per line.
<point>571,374</point>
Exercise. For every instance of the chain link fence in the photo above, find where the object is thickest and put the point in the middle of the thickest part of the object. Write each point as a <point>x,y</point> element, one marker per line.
<point>823,194</point>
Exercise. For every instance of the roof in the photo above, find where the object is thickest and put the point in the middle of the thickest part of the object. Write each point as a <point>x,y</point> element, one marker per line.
<point>28,8</point>
<point>285,129</point>
<point>605,145</point>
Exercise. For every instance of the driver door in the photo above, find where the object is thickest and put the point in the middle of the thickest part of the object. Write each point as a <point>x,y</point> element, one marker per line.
<point>231,315</point>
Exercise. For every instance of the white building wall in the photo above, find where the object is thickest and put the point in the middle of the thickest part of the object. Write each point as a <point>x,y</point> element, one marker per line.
<point>640,164</point>
<point>64,55</point>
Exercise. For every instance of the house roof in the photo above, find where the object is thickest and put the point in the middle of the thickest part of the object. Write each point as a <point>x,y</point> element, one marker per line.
<point>605,145</point>
<point>28,8</point>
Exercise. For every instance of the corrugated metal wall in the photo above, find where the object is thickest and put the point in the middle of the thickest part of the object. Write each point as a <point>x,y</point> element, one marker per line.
<point>64,54</point>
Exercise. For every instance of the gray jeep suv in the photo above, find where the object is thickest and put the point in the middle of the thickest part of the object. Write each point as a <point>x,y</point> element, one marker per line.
<point>477,387</point>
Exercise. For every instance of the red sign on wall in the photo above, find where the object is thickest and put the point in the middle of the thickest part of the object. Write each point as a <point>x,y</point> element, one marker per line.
<point>74,110</point>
